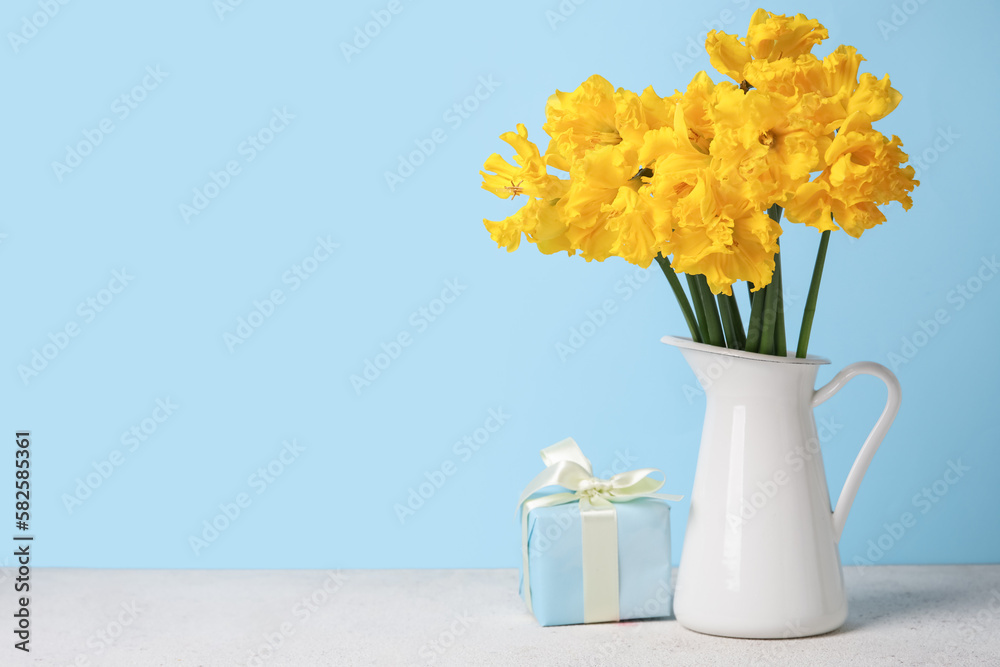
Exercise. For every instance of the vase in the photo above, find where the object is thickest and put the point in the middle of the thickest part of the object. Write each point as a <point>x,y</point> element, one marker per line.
<point>760,557</point>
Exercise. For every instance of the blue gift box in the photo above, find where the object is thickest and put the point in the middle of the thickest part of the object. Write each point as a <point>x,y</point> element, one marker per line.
<point>555,561</point>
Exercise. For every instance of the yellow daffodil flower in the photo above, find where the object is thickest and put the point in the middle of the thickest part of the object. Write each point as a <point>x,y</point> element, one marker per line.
<point>723,236</point>
<point>596,115</point>
<point>864,172</point>
<point>539,219</point>
<point>608,209</point>
<point>528,176</point>
<point>763,146</point>
<point>769,37</point>
<point>580,121</point>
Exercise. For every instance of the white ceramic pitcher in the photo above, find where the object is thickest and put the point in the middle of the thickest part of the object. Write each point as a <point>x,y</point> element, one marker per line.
<point>760,557</point>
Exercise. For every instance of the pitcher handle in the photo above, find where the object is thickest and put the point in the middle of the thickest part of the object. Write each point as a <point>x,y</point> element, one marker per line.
<point>874,438</point>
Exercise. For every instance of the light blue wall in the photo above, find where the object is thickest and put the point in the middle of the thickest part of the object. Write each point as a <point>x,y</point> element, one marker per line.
<point>493,348</point>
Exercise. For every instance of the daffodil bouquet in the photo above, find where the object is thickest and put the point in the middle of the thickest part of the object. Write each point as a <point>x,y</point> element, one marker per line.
<point>698,181</point>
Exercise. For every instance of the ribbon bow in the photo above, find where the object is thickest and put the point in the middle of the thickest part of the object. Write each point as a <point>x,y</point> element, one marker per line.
<point>566,466</point>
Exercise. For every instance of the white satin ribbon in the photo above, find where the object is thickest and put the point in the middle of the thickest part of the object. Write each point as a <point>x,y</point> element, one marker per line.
<point>569,468</point>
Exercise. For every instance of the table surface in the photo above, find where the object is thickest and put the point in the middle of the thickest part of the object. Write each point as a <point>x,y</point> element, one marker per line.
<point>899,615</point>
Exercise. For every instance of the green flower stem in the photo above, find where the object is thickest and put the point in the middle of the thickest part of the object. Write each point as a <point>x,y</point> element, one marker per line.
<point>754,325</point>
<point>750,292</point>
<point>699,307</point>
<point>770,318</point>
<point>734,309</point>
<point>727,321</point>
<point>780,348</point>
<point>774,310</point>
<point>715,336</point>
<point>682,300</point>
<point>810,311</point>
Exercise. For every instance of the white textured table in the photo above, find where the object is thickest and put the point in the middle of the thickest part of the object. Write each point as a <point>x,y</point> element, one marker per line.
<point>919,615</point>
